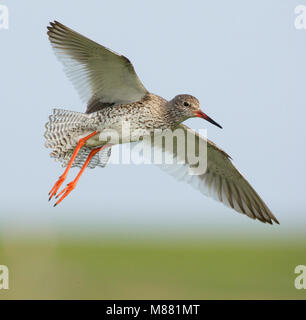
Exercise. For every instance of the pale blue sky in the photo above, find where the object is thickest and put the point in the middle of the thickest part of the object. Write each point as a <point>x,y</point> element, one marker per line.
<point>244,61</point>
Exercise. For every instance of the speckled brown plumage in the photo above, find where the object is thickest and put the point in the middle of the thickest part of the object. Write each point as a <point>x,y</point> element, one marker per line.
<point>108,84</point>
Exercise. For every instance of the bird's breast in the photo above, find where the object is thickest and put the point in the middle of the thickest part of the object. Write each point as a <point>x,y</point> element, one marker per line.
<point>128,124</point>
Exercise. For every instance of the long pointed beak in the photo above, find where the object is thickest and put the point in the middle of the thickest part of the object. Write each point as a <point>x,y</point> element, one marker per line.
<point>201,114</point>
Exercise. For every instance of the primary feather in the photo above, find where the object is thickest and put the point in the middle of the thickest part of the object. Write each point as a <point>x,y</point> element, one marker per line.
<point>101,76</point>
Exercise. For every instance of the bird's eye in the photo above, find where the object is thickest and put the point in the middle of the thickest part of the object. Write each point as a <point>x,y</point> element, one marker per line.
<point>186,104</point>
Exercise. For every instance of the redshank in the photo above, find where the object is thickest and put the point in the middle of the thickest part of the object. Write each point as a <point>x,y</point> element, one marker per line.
<point>108,84</point>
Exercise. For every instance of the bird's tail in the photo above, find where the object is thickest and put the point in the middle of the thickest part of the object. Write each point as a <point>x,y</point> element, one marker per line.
<point>62,134</point>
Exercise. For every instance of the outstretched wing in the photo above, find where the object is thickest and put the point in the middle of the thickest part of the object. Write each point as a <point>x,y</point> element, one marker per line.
<point>221,180</point>
<point>101,76</point>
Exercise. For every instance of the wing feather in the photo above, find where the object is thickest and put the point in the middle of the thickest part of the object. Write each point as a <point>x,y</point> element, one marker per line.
<point>223,182</point>
<point>101,76</point>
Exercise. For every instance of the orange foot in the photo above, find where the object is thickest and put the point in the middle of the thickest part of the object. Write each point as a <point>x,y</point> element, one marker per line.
<point>70,186</point>
<point>62,178</point>
<point>57,185</point>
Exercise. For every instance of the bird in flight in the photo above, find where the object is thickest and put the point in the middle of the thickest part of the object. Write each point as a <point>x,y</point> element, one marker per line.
<point>109,85</point>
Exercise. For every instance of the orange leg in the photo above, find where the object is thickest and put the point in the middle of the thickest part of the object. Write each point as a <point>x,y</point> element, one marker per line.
<point>64,175</point>
<point>71,185</point>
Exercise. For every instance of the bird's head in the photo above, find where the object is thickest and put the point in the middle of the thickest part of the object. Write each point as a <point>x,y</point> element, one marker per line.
<point>186,106</point>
